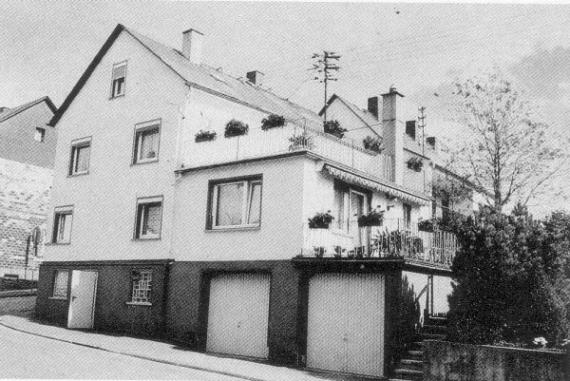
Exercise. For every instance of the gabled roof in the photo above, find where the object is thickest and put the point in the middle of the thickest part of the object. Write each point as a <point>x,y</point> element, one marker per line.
<point>202,77</point>
<point>16,110</point>
<point>364,115</point>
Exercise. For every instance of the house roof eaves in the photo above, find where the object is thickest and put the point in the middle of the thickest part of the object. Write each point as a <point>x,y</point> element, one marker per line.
<point>26,106</point>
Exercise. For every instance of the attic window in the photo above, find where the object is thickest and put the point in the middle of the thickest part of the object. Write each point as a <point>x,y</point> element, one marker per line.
<point>119,78</point>
<point>40,134</point>
<point>411,129</point>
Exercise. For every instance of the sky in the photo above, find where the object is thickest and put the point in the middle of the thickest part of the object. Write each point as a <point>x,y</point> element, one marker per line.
<point>419,48</point>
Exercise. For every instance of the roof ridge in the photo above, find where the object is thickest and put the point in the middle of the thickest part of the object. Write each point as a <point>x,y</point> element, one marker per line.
<point>11,112</point>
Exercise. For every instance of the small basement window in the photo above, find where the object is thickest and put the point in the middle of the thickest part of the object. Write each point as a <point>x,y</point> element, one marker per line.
<point>119,78</point>
<point>147,139</point>
<point>62,225</point>
<point>149,218</point>
<point>235,204</point>
<point>142,286</point>
<point>80,153</point>
<point>60,283</point>
<point>40,134</point>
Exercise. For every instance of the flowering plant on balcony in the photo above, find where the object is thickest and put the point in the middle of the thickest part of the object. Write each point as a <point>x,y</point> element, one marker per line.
<point>321,220</point>
<point>375,217</point>
<point>272,121</point>
<point>426,225</point>
<point>301,141</point>
<point>373,144</point>
<point>204,136</point>
<point>235,128</point>
<point>333,127</point>
<point>415,163</point>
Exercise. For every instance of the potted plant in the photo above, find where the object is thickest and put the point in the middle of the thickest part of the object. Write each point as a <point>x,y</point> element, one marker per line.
<point>338,250</point>
<point>333,127</point>
<point>151,155</point>
<point>375,217</point>
<point>273,120</point>
<point>415,163</point>
<point>373,144</point>
<point>426,226</point>
<point>321,220</point>
<point>235,128</point>
<point>319,251</point>
<point>204,136</point>
<point>301,141</point>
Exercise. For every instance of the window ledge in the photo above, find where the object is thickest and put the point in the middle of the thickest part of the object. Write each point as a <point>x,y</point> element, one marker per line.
<point>228,229</point>
<point>57,298</point>
<point>58,244</point>
<point>144,162</point>
<point>144,304</point>
<point>78,174</point>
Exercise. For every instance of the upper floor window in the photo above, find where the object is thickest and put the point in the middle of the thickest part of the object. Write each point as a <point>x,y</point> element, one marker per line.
<point>62,224</point>
<point>119,79</point>
<point>235,203</point>
<point>147,139</point>
<point>40,134</point>
<point>349,204</point>
<point>80,152</point>
<point>149,218</point>
<point>60,284</point>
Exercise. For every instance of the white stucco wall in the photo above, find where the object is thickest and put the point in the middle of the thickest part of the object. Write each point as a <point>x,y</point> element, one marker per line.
<point>104,200</point>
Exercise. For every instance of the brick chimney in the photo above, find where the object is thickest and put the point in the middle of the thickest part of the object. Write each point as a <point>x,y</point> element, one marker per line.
<point>393,125</point>
<point>373,106</point>
<point>255,77</point>
<point>192,45</point>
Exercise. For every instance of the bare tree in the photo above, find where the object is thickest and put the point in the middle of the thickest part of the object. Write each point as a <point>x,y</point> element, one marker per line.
<point>509,153</point>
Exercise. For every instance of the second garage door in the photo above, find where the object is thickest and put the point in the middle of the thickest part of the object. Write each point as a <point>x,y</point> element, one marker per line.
<point>345,330</point>
<point>238,315</point>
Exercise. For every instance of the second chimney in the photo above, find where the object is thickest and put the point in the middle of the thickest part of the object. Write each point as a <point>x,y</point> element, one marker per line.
<point>192,45</point>
<point>255,77</point>
<point>373,106</point>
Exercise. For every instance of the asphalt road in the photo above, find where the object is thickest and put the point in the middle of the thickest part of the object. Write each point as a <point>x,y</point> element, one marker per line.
<point>27,356</point>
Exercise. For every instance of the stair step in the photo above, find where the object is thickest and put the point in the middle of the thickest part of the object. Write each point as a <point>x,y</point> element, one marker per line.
<point>433,336</point>
<point>411,364</point>
<point>409,374</point>
<point>427,328</point>
<point>398,379</point>
<point>436,320</point>
<point>416,355</point>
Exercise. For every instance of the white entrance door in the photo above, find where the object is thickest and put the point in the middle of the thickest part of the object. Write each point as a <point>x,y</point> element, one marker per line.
<point>82,302</point>
<point>345,330</point>
<point>238,315</point>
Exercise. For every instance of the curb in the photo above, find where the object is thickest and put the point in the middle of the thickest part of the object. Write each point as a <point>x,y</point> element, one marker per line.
<point>249,378</point>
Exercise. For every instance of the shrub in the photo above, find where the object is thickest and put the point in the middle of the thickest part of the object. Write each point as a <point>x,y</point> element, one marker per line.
<point>272,121</point>
<point>333,127</point>
<point>505,273</point>
<point>235,128</point>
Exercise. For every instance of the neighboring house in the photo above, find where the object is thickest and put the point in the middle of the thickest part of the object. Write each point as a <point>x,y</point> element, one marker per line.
<point>170,217</point>
<point>27,152</point>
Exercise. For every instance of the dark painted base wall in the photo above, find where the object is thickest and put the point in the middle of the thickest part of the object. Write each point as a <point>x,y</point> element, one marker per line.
<point>112,313</point>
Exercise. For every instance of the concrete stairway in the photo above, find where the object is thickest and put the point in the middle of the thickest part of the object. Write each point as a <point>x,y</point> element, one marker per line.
<point>410,367</point>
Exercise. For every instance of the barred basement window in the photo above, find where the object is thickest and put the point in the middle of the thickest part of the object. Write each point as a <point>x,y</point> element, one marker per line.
<point>142,285</point>
<point>60,283</point>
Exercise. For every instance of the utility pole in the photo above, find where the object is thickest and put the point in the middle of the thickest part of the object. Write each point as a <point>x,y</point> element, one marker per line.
<point>326,63</point>
<point>422,125</point>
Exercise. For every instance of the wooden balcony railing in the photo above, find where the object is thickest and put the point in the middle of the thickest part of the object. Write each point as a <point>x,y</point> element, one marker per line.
<point>280,140</point>
<point>435,248</point>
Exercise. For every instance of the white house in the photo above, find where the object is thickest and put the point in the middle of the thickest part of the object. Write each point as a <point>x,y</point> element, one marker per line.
<point>178,211</point>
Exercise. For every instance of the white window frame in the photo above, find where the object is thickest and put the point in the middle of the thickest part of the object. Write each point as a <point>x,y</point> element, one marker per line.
<point>55,288</point>
<point>113,79</point>
<point>140,129</point>
<point>40,134</point>
<point>58,228</point>
<point>139,216</point>
<point>76,146</point>
<point>347,213</point>
<point>136,292</point>
<point>245,207</point>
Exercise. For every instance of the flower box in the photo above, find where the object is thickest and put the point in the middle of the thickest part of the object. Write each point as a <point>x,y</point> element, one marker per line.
<point>415,163</point>
<point>320,220</point>
<point>204,136</point>
<point>372,218</point>
<point>235,128</point>
<point>333,127</point>
<point>272,121</point>
<point>373,144</point>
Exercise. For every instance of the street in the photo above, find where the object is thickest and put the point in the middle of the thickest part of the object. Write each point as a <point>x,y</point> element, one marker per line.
<point>27,356</point>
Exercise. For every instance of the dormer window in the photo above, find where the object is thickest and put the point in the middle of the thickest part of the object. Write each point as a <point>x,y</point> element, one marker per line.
<point>40,134</point>
<point>118,81</point>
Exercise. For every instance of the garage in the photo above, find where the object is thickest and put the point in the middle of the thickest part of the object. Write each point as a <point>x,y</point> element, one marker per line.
<point>345,331</point>
<point>238,315</point>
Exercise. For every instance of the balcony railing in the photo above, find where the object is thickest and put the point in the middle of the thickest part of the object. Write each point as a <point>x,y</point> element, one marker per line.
<point>392,240</point>
<point>280,140</point>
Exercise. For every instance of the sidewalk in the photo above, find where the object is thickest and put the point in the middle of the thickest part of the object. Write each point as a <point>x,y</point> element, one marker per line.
<point>162,352</point>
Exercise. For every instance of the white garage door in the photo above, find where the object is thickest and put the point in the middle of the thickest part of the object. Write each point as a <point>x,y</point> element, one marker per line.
<point>346,323</point>
<point>238,315</point>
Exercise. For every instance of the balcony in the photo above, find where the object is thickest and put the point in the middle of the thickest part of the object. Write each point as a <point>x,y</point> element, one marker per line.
<point>391,240</point>
<point>283,140</point>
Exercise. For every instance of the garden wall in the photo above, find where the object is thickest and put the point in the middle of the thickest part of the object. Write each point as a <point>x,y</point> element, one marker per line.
<point>445,361</point>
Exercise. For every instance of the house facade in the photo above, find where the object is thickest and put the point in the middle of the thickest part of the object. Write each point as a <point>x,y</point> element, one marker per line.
<point>27,152</point>
<point>203,208</point>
